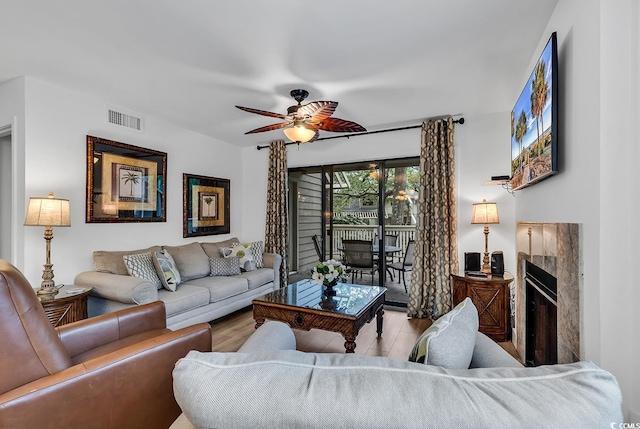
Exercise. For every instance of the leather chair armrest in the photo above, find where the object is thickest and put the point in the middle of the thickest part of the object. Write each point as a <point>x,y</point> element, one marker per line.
<point>129,388</point>
<point>115,287</point>
<point>84,335</point>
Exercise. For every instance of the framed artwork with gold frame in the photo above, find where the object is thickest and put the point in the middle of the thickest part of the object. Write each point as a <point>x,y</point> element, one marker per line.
<point>125,183</point>
<point>206,208</point>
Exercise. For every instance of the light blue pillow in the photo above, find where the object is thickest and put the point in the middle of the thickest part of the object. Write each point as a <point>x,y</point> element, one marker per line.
<point>449,342</point>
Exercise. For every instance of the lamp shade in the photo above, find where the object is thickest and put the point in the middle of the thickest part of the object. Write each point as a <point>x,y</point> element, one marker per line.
<point>299,134</point>
<point>485,213</point>
<point>48,211</point>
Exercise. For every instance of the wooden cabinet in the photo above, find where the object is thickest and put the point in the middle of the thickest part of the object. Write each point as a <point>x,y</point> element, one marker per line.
<point>491,297</point>
<point>69,305</point>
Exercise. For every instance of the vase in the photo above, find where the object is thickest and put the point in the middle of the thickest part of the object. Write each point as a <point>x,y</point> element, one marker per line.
<point>328,303</point>
<point>330,291</point>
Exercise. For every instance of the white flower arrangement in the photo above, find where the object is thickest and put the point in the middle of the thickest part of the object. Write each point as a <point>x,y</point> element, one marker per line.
<point>329,273</point>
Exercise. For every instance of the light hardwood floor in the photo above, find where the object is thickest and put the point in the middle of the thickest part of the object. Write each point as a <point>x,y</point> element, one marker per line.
<point>399,335</point>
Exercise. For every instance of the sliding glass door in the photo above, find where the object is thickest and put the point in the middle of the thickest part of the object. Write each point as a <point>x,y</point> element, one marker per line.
<point>373,201</point>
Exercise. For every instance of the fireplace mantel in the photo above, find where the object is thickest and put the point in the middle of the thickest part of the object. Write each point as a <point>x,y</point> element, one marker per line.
<point>554,247</point>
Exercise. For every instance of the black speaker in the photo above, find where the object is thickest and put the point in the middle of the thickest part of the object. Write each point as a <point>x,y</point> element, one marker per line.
<point>497,263</point>
<point>471,261</point>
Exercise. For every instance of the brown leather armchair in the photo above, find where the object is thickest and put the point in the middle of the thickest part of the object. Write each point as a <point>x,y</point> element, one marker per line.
<point>110,371</point>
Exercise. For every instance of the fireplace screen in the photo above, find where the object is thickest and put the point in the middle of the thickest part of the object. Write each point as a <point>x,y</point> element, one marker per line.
<point>542,320</point>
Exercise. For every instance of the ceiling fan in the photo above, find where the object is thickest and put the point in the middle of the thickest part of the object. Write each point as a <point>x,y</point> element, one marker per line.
<point>305,120</point>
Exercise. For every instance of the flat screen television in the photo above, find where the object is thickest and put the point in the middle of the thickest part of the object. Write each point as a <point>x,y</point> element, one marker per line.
<point>534,123</point>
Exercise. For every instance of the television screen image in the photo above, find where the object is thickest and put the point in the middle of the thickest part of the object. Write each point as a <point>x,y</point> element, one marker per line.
<point>534,123</point>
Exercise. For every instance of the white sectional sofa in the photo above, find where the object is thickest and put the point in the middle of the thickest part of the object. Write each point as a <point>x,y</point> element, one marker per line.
<point>199,297</point>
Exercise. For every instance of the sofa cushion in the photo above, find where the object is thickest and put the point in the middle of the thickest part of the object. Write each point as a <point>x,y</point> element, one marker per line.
<point>185,298</point>
<point>141,266</point>
<point>224,266</point>
<point>107,261</point>
<point>221,287</point>
<point>450,340</point>
<point>166,269</point>
<point>191,260</point>
<point>259,277</point>
<point>212,249</point>
<point>218,390</point>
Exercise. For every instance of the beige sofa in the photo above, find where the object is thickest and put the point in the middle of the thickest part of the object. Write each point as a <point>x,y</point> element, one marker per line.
<point>199,297</point>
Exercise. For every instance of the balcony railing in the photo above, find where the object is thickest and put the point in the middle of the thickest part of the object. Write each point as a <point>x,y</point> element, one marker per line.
<point>367,232</point>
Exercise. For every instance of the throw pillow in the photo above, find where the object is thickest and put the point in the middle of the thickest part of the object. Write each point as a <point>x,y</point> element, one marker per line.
<point>257,249</point>
<point>141,266</point>
<point>224,266</point>
<point>247,262</point>
<point>166,270</point>
<point>449,342</point>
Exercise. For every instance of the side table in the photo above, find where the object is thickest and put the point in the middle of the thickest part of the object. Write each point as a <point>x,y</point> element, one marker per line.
<point>491,296</point>
<point>66,306</point>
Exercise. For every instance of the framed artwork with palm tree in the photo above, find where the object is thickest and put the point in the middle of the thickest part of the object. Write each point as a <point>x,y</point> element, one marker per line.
<point>206,208</point>
<point>125,183</point>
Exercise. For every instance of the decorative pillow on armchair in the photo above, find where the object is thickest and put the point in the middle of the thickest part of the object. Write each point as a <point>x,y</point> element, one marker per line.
<point>449,342</point>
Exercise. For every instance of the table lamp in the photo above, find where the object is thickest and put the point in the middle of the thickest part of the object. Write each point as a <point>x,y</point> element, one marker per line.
<point>48,212</point>
<point>485,213</point>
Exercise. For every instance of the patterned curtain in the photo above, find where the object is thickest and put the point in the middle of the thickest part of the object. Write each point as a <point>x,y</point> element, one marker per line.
<point>436,251</point>
<point>276,238</point>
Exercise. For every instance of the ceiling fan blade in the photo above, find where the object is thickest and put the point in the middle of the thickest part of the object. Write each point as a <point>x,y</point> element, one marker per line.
<point>262,112</point>
<point>318,110</point>
<point>269,128</point>
<point>315,136</point>
<point>338,125</point>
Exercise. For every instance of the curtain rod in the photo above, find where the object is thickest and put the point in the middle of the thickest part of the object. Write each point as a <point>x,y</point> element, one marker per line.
<point>364,133</point>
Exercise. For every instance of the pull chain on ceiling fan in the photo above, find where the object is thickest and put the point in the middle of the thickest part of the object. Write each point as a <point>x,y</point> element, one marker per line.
<point>306,120</point>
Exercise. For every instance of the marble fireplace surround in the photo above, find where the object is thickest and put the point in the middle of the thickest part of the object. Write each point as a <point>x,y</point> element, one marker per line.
<point>554,247</point>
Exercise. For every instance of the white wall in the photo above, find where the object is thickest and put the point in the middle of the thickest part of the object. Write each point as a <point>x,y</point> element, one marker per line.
<point>57,122</point>
<point>483,148</point>
<point>12,114</point>
<point>619,72</point>
<point>598,68</point>
<point>570,195</point>
<point>5,197</point>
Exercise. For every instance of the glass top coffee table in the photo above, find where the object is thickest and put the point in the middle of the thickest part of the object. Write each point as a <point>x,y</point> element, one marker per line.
<point>305,305</point>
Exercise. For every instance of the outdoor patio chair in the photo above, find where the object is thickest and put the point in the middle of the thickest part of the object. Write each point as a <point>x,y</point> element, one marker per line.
<point>406,264</point>
<point>316,245</point>
<point>389,240</point>
<point>358,257</point>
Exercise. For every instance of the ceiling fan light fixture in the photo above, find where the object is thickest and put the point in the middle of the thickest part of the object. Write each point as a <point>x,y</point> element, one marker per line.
<point>299,134</point>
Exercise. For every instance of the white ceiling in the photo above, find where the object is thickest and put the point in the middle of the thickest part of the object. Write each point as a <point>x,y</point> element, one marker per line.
<point>189,62</point>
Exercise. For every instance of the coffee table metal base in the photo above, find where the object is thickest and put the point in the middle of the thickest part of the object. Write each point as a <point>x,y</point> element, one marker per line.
<point>309,318</point>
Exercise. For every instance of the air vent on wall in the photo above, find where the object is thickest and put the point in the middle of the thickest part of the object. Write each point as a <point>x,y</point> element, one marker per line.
<point>128,120</point>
